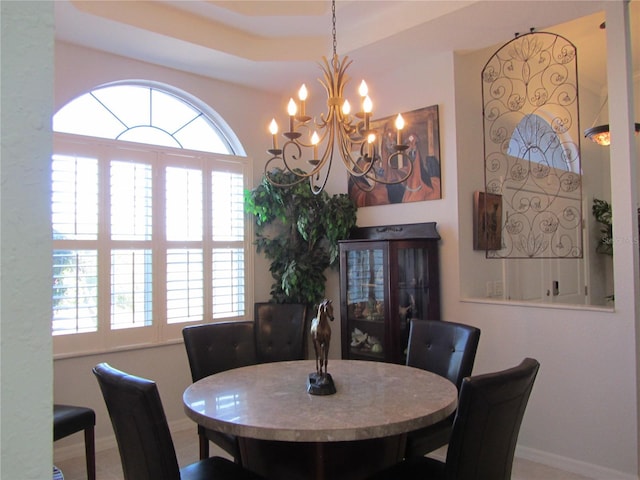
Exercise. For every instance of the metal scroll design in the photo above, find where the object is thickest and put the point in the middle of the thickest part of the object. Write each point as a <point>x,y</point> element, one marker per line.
<point>532,146</point>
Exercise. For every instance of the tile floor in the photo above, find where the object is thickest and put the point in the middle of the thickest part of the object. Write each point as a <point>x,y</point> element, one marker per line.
<point>186,444</point>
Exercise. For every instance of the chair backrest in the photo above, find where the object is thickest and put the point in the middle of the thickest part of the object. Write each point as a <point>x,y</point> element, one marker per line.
<point>216,347</point>
<point>280,331</point>
<point>487,423</point>
<point>140,425</point>
<point>445,348</point>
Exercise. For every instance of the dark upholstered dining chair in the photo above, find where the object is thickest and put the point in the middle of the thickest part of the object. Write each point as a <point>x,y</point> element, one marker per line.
<point>485,430</point>
<point>70,419</point>
<point>449,350</point>
<point>213,348</point>
<point>142,432</point>
<point>280,331</point>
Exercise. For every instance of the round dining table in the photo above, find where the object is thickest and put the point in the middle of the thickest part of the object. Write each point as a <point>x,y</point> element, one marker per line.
<point>286,433</point>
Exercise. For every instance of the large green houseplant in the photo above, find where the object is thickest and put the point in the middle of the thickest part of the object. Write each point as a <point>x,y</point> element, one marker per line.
<point>298,232</point>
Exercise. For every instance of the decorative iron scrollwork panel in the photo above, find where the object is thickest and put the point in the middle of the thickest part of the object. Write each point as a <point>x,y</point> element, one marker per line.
<point>532,146</point>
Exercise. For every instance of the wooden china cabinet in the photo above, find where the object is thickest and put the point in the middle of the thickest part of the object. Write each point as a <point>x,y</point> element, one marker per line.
<point>388,275</point>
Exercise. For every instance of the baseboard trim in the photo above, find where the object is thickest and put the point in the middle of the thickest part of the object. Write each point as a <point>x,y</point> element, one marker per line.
<point>585,469</point>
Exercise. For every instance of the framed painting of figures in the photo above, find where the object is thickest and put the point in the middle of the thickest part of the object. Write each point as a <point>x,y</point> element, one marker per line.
<point>421,134</point>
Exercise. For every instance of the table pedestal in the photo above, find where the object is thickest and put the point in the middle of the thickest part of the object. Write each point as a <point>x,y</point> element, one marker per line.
<point>353,460</point>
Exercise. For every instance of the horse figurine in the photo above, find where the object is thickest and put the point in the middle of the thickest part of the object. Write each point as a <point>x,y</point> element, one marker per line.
<point>321,335</point>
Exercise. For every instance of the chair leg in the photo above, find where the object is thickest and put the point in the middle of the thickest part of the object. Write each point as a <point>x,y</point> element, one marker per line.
<point>204,447</point>
<point>90,452</point>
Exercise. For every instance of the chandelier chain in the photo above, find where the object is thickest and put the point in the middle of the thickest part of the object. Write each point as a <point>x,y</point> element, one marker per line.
<point>333,31</point>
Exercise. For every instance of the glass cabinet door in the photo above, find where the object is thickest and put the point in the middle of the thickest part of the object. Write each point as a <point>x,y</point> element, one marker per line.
<point>410,263</point>
<point>366,300</point>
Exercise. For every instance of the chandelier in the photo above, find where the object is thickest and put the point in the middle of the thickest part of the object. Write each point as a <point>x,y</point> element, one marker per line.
<point>309,144</point>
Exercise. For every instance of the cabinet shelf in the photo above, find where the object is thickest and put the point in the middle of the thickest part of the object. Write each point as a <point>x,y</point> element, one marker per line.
<point>372,263</point>
<point>366,355</point>
<point>368,320</point>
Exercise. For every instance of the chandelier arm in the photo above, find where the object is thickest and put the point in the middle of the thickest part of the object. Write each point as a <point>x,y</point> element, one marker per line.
<point>327,159</point>
<point>323,127</point>
<point>353,167</point>
<point>292,157</point>
<point>327,155</point>
<point>360,179</point>
<point>308,131</point>
<point>269,176</point>
<point>318,164</point>
<point>397,180</point>
<point>315,188</point>
<point>348,129</point>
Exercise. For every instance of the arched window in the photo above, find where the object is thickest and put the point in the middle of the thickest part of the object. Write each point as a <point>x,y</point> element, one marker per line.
<point>145,114</point>
<point>534,140</point>
<point>147,218</point>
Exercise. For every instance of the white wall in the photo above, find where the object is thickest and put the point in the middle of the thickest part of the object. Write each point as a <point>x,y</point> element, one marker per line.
<point>25,236</point>
<point>583,410</point>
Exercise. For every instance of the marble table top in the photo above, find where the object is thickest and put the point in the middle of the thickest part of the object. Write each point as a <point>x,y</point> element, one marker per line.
<point>269,401</point>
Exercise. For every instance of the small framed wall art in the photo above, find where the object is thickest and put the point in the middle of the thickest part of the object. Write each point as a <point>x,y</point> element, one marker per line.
<point>487,221</point>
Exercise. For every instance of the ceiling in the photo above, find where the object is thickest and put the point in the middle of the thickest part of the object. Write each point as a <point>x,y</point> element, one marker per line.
<point>273,45</point>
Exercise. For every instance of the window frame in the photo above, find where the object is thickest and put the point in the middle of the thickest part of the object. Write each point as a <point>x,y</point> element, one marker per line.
<point>106,339</point>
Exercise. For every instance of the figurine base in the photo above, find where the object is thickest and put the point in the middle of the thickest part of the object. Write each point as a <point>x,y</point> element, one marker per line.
<point>320,385</point>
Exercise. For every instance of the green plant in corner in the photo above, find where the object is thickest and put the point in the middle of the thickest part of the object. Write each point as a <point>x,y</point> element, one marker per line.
<point>601,210</point>
<point>299,232</point>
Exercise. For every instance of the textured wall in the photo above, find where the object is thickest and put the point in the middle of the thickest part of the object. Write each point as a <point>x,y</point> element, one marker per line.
<point>25,255</point>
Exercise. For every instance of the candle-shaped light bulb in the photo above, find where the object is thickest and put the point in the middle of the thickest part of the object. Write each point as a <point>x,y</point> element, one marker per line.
<point>315,139</point>
<point>370,139</point>
<point>302,95</point>
<point>363,90</point>
<point>346,107</point>
<point>273,128</point>
<point>292,108</point>
<point>367,105</point>
<point>399,127</point>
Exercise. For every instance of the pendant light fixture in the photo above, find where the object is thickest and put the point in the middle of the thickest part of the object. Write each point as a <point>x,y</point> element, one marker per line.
<point>600,134</point>
<point>316,139</point>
